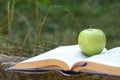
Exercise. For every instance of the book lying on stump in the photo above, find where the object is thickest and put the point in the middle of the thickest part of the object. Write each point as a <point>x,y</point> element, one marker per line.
<point>71,59</point>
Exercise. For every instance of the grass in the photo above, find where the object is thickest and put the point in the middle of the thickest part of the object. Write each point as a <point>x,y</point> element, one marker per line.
<point>31,27</point>
<point>9,21</point>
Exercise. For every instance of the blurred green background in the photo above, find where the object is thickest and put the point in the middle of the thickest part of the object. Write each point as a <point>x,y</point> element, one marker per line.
<point>37,26</point>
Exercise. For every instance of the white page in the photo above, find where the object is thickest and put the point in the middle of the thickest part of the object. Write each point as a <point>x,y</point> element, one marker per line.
<point>69,54</point>
<point>110,57</point>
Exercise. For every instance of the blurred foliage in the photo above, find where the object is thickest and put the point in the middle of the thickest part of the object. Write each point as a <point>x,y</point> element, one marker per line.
<point>60,22</point>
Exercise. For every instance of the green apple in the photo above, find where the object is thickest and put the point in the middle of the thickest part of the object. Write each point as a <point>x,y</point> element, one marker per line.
<point>91,41</point>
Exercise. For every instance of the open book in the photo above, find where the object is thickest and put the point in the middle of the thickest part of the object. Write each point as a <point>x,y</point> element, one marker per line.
<point>71,58</point>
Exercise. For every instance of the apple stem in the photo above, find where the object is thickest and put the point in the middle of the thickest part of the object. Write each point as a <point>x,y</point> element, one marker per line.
<point>91,27</point>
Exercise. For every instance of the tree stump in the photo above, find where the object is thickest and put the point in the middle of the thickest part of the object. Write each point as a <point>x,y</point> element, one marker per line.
<point>7,61</point>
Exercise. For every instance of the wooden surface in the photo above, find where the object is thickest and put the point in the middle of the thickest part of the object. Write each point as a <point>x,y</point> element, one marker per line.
<point>6,75</point>
<point>7,61</point>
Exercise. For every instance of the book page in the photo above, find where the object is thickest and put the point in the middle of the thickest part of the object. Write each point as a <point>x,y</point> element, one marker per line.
<point>68,54</point>
<point>110,57</point>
